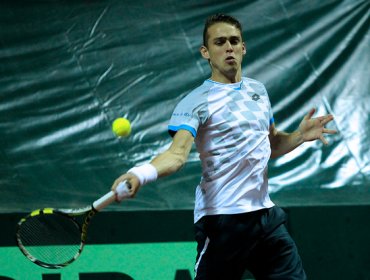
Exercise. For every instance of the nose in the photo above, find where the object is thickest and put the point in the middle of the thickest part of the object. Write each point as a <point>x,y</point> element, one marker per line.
<point>229,46</point>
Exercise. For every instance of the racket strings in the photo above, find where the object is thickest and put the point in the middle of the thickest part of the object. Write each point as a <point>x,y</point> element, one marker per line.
<point>51,238</point>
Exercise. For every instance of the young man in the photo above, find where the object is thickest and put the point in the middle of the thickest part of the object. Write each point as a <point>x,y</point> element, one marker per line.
<point>230,118</point>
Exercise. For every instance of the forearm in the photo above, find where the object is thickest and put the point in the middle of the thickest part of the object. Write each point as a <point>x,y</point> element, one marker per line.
<point>175,157</point>
<point>309,129</point>
<point>168,163</point>
<point>283,143</point>
<point>162,165</point>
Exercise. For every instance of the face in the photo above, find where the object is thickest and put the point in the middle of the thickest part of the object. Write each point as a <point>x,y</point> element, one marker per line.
<point>225,52</point>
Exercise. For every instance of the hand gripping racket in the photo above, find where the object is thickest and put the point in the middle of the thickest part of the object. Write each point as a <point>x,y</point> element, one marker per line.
<point>54,238</point>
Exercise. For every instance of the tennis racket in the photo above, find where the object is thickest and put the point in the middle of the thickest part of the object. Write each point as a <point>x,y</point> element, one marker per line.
<point>54,238</point>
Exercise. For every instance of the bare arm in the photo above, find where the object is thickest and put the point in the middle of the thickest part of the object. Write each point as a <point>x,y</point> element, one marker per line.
<point>282,142</point>
<point>166,163</point>
<point>309,129</point>
<point>177,154</point>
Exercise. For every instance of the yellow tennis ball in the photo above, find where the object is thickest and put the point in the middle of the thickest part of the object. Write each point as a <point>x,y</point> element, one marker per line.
<point>121,127</point>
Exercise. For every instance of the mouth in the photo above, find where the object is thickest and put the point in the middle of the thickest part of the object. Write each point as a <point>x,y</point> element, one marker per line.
<point>230,59</point>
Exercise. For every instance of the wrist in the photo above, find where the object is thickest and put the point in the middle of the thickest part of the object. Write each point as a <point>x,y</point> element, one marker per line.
<point>299,137</point>
<point>146,173</point>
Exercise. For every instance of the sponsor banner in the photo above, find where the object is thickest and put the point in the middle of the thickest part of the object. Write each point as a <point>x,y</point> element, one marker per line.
<point>142,261</point>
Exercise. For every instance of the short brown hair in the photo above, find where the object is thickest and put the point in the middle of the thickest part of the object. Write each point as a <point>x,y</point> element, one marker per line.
<point>211,20</point>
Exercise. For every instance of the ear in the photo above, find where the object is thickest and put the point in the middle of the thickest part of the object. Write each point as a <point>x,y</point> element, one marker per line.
<point>244,49</point>
<point>204,52</point>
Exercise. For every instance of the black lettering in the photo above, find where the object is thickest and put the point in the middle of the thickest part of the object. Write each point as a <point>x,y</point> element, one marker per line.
<point>183,274</point>
<point>51,277</point>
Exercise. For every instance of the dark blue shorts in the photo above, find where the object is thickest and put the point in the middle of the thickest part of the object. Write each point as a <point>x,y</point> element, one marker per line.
<point>256,241</point>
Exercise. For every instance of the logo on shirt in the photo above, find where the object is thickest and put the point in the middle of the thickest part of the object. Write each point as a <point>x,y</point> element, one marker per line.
<point>255,97</point>
<point>181,114</point>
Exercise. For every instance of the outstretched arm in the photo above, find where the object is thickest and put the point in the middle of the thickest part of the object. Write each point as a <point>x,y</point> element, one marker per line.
<point>166,163</point>
<point>309,129</point>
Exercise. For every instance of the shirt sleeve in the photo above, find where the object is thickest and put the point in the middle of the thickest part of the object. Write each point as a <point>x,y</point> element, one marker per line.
<point>189,114</point>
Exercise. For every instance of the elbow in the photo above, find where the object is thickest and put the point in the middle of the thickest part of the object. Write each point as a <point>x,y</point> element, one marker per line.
<point>272,151</point>
<point>274,147</point>
<point>275,152</point>
<point>273,155</point>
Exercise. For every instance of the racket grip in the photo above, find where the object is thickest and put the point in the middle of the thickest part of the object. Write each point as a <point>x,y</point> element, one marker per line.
<point>122,191</point>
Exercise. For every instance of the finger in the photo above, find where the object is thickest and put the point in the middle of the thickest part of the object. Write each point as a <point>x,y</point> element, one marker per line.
<point>310,113</point>
<point>114,186</point>
<point>327,119</point>
<point>123,190</point>
<point>322,138</point>
<point>117,182</point>
<point>120,192</point>
<point>329,131</point>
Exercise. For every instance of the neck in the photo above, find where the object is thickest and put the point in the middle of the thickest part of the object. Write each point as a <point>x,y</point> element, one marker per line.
<point>227,78</point>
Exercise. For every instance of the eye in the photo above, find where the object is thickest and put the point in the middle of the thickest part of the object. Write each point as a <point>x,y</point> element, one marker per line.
<point>234,41</point>
<point>220,42</point>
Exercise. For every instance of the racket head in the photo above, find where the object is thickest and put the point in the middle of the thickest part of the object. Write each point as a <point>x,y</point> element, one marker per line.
<point>52,238</point>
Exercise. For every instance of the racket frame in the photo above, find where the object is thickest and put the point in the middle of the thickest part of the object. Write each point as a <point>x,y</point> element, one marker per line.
<point>88,213</point>
<point>123,190</point>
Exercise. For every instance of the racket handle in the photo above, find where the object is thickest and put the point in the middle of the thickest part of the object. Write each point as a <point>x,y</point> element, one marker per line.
<point>122,191</point>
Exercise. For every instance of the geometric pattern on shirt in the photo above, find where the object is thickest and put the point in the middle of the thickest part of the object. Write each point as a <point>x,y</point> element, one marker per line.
<point>242,114</point>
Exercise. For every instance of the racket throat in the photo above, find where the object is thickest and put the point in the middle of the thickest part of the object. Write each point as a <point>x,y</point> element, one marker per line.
<point>86,223</point>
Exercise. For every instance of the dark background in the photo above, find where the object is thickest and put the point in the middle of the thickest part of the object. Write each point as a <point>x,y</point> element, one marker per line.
<point>69,68</point>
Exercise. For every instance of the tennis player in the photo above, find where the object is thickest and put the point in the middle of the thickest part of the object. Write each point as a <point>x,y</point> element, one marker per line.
<point>230,119</point>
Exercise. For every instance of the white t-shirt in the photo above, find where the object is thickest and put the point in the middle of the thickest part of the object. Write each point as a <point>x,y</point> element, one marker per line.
<point>230,123</point>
